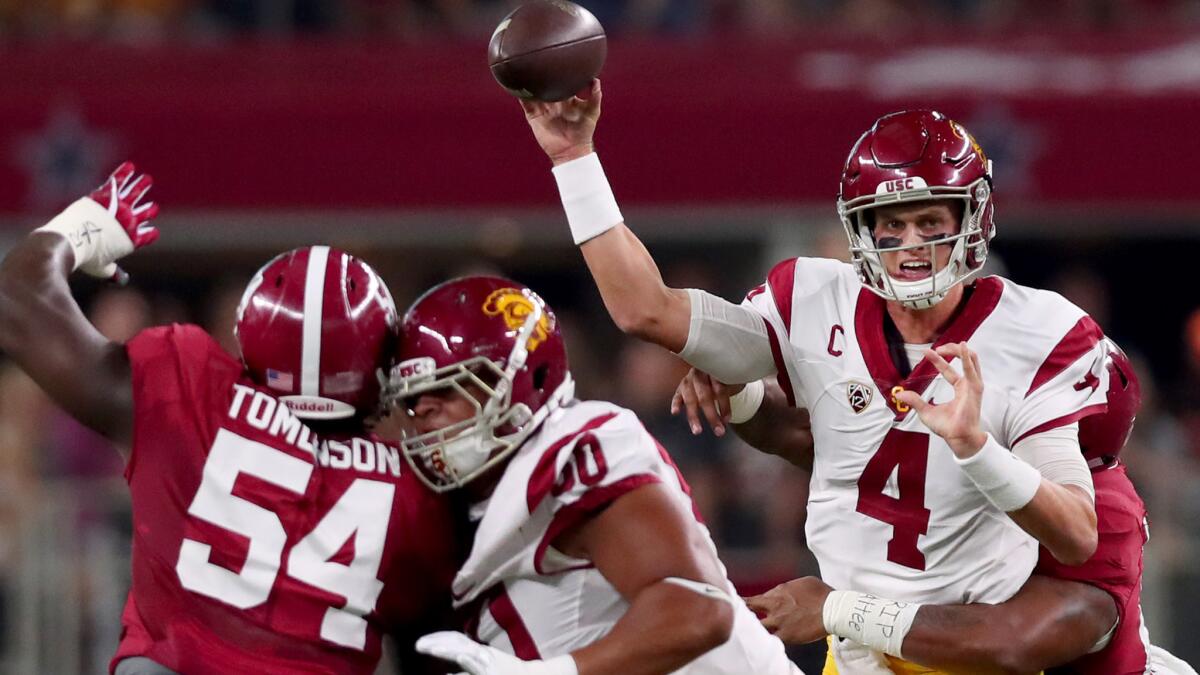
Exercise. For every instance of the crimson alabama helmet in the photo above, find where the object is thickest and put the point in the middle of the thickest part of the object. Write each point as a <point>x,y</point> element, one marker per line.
<point>314,325</point>
<point>912,156</point>
<point>501,337</point>
<point>1103,436</point>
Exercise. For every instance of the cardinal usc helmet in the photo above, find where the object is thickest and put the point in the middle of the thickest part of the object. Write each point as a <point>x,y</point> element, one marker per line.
<point>490,335</point>
<point>916,156</point>
<point>1103,436</point>
<point>315,325</point>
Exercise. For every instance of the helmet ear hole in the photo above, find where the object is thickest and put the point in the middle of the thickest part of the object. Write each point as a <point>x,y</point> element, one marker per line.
<point>279,281</point>
<point>539,376</point>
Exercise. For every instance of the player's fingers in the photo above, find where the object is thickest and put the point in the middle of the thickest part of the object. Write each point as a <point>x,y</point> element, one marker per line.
<point>772,622</point>
<point>942,365</point>
<point>971,365</point>
<point>147,212</point>
<point>709,406</point>
<point>913,400</point>
<point>692,407</point>
<point>677,400</point>
<point>121,174</point>
<point>594,99</point>
<point>722,395</point>
<point>139,188</point>
<point>765,602</point>
<point>530,107</point>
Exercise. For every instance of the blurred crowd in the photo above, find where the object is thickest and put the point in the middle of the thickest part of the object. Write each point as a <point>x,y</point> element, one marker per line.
<point>200,20</point>
<point>754,504</point>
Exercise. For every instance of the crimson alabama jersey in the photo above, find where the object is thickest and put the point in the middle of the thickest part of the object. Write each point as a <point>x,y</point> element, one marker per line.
<point>257,547</point>
<point>889,510</point>
<point>1116,567</point>
<point>528,599</point>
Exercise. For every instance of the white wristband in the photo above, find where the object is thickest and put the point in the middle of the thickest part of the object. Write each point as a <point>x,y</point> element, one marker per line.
<point>1007,482</point>
<point>559,665</point>
<point>587,198</point>
<point>95,235</point>
<point>744,404</point>
<point>878,623</point>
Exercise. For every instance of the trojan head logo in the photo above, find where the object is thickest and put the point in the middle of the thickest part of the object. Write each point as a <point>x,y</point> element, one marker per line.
<point>962,133</point>
<point>515,307</point>
<point>859,395</point>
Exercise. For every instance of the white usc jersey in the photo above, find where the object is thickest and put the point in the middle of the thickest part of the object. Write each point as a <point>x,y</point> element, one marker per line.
<point>528,599</point>
<point>889,511</point>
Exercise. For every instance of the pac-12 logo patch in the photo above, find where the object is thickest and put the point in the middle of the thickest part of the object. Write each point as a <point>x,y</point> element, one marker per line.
<point>859,395</point>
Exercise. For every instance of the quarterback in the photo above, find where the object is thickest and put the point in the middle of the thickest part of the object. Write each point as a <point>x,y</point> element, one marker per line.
<point>271,533</point>
<point>1087,616</point>
<point>926,485</point>
<point>588,555</point>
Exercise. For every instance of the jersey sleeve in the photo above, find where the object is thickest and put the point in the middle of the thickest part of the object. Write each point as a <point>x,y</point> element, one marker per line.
<point>179,373</point>
<point>1070,384</point>
<point>608,457</point>
<point>791,284</point>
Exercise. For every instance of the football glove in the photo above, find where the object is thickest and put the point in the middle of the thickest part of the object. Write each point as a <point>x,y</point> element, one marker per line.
<point>110,223</point>
<point>480,659</point>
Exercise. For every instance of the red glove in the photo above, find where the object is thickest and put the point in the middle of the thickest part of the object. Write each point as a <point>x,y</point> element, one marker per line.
<point>122,195</point>
<point>110,223</point>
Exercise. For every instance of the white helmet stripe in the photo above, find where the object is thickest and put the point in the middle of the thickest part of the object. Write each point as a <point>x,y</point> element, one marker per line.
<point>314,300</point>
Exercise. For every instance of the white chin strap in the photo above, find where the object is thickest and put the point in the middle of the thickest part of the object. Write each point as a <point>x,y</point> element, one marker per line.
<point>464,454</point>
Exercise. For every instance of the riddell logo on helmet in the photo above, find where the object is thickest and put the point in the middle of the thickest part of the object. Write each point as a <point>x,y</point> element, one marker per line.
<point>310,406</point>
<point>901,184</point>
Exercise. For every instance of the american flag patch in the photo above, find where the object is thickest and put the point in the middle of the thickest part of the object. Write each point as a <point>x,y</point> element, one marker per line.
<point>279,380</point>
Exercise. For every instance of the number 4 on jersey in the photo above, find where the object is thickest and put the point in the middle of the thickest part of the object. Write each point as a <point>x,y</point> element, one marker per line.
<point>908,450</point>
<point>362,512</point>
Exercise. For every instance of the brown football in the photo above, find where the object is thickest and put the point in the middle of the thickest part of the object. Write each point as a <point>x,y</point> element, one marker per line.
<point>547,50</point>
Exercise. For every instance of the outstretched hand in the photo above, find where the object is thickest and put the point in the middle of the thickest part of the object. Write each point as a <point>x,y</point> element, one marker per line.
<point>123,195</point>
<point>956,420</point>
<point>792,611</point>
<point>699,394</point>
<point>564,129</point>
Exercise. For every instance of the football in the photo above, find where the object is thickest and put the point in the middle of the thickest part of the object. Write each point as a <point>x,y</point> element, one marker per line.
<point>547,50</point>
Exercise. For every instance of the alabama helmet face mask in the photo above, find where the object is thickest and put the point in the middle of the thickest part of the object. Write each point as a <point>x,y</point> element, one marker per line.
<point>916,156</point>
<point>315,325</point>
<point>490,335</point>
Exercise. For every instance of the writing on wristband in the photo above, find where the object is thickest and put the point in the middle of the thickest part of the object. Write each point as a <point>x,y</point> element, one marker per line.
<point>95,236</point>
<point>587,198</point>
<point>868,619</point>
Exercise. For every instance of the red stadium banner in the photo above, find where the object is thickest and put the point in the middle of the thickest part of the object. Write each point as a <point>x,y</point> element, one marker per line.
<point>710,122</point>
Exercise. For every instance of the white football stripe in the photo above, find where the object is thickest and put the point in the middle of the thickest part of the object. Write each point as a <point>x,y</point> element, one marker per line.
<point>314,300</point>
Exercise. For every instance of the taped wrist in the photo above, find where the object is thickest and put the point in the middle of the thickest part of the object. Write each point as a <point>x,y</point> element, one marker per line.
<point>744,404</point>
<point>1007,482</point>
<point>94,234</point>
<point>878,623</point>
<point>587,198</point>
